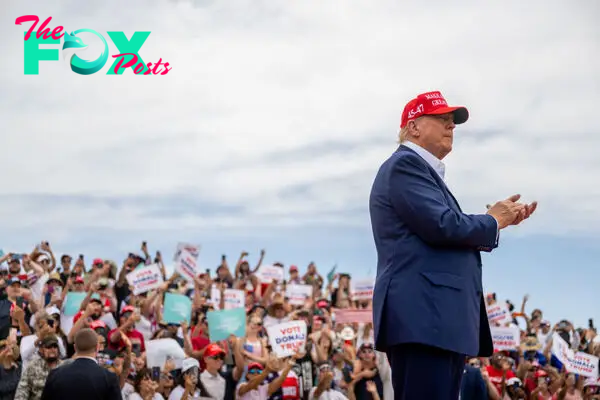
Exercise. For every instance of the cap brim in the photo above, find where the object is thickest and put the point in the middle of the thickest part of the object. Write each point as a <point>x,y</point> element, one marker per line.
<point>461,114</point>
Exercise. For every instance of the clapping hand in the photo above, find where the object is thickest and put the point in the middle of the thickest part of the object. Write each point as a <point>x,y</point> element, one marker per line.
<point>510,212</point>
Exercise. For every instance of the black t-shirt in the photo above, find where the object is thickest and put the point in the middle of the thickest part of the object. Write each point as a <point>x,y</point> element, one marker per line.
<point>305,371</point>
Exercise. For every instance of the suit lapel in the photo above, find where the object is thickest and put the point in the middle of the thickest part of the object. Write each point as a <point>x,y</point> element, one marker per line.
<point>449,196</point>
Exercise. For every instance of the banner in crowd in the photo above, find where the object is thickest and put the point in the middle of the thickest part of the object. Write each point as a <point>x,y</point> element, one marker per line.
<point>498,314</point>
<point>269,273</point>
<point>576,362</point>
<point>158,351</point>
<point>193,249</point>
<point>297,294</point>
<point>186,265</point>
<point>362,289</point>
<point>223,323</point>
<point>177,308</point>
<point>145,279</point>
<point>234,298</point>
<point>350,316</point>
<point>506,338</point>
<point>287,338</point>
<point>73,303</point>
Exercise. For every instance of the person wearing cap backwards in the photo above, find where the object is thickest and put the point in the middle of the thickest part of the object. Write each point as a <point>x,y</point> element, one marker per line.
<point>428,308</point>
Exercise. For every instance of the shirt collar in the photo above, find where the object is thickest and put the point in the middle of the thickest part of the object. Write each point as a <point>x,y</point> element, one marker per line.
<point>88,358</point>
<point>429,158</point>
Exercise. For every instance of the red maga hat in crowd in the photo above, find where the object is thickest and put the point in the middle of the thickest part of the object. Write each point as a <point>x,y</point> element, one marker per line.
<point>432,103</point>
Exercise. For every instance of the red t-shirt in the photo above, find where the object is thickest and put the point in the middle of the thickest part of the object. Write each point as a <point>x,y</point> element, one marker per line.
<point>134,336</point>
<point>496,376</point>
<point>198,343</point>
<point>291,387</point>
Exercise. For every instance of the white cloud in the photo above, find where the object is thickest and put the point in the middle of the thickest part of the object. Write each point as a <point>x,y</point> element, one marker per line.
<point>251,80</point>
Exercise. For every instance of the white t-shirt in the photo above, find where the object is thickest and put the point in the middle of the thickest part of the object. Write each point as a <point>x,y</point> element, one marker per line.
<point>215,385</point>
<point>329,394</point>
<point>127,390</point>
<point>178,392</point>
<point>136,396</point>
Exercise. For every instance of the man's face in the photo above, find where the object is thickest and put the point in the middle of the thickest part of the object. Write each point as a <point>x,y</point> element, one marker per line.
<point>215,362</point>
<point>14,267</point>
<point>66,262</point>
<point>436,133</point>
<point>50,352</point>
<point>13,290</point>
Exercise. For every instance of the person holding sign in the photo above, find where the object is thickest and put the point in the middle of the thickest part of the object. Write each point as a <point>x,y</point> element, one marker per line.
<point>428,307</point>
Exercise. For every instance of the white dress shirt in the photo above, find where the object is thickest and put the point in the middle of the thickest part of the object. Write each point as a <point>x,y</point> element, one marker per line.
<point>429,158</point>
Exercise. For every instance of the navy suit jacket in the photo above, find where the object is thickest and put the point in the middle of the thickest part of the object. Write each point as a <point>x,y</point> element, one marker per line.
<point>81,379</point>
<point>428,288</point>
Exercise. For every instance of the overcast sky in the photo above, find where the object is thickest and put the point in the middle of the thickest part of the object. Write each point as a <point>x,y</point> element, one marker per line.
<point>276,115</point>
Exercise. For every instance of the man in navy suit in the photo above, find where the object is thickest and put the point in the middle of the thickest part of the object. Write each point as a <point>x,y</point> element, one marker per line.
<point>428,308</point>
<point>83,378</point>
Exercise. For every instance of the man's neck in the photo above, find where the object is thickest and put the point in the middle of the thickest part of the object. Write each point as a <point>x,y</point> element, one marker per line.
<point>213,372</point>
<point>85,355</point>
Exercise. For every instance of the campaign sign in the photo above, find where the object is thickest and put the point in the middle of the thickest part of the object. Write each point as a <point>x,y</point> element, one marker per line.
<point>145,279</point>
<point>223,323</point>
<point>177,308</point>
<point>362,289</point>
<point>186,265</point>
<point>287,338</point>
<point>498,314</point>
<point>505,338</point>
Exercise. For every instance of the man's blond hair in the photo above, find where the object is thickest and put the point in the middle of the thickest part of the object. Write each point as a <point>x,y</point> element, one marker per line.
<point>403,135</point>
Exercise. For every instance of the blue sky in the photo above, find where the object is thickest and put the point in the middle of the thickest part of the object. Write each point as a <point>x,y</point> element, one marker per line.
<point>276,116</point>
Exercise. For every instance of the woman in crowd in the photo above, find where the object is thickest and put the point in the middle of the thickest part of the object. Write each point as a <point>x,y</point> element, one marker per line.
<point>10,369</point>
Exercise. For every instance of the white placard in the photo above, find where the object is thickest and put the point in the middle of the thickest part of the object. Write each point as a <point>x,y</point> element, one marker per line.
<point>287,338</point>
<point>193,249</point>
<point>498,314</point>
<point>506,338</point>
<point>186,265</point>
<point>297,294</point>
<point>362,289</point>
<point>234,298</point>
<point>145,279</point>
<point>579,363</point>
<point>268,273</point>
<point>159,350</point>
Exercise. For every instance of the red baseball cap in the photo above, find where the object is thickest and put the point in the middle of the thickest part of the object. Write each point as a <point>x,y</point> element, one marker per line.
<point>97,324</point>
<point>212,350</point>
<point>256,365</point>
<point>432,103</point>
<point>98,261</point>
<point>127,309</point>
<point>293,268</point>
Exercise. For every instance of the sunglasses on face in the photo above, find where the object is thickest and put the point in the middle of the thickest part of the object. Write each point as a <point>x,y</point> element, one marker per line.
<point>51,346</point>
<point>255,371</point>
<point>257,323</point>
<point>218,358</point>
